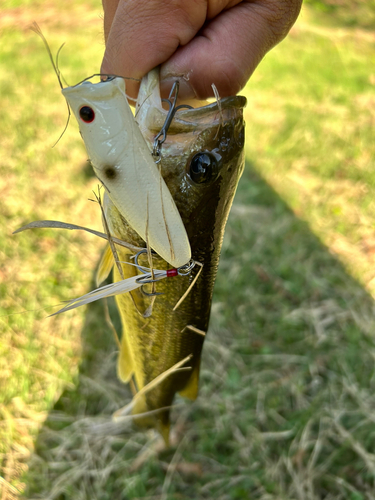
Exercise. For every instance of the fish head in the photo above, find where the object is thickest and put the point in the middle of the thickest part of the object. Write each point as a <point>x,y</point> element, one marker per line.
<point>202,160</point>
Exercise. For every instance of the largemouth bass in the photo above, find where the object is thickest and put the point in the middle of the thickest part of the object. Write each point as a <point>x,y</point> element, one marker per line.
<point>202,161</point>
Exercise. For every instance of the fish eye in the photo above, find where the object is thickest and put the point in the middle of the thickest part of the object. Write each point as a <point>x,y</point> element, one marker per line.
<point>203,168</point>
<point>87,114</point>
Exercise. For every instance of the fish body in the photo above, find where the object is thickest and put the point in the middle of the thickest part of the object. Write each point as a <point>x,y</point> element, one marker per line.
<point>123,163</point>
<point>202,161</point>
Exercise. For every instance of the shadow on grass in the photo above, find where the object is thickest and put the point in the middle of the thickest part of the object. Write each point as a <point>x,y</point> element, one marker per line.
<point>287,384</point>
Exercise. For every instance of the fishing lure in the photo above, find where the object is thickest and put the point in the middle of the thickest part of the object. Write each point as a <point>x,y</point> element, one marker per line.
<point>124,164</point>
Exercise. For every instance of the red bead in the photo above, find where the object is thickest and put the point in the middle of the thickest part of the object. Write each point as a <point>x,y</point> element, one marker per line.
<point>172,272</point>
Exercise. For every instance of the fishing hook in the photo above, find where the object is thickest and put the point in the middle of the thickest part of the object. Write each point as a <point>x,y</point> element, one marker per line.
<point>152,294</point>
<point>143,279</point>
<point>162,135</point>
<point>187,268</point>
<point>181,271</point>
<point>136,256</point>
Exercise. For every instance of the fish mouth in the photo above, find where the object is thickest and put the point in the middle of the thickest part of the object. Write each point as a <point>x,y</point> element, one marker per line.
<point>151,115</point>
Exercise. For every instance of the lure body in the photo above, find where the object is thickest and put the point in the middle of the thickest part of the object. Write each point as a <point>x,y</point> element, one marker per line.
<point>203,191</point>
<point>123,163</point>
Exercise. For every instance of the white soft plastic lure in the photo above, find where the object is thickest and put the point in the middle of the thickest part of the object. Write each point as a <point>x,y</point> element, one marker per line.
<point>123,163</point>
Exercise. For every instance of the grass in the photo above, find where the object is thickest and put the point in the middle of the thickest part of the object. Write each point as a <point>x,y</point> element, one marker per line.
<point>318,132</point>
<point>347,13</point>
<point>286,405</point>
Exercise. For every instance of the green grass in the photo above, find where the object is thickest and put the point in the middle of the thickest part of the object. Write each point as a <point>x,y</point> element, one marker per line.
<point>318,131</point>
<point>286,405</point>
<point>348,13</point>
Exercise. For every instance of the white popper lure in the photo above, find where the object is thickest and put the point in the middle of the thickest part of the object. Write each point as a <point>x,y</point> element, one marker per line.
<point>123,163</point>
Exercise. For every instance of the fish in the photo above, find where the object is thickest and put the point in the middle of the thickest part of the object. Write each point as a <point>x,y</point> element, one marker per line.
<point>202,161</point>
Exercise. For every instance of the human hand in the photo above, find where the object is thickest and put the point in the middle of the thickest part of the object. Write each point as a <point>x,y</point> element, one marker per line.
<point>202,41</point>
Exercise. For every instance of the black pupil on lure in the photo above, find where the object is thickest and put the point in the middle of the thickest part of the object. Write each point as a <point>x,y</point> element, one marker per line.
<point>202,168</point>
<point>110,172</point>
<point>87,114</point>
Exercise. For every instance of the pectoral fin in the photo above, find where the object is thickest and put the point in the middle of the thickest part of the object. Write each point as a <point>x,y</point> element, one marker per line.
<point>105,266</point>
<point>125,365</point>
<point>190,391</point>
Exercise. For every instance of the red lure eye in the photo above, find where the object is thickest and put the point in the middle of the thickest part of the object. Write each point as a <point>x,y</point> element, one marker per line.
<point>87,114</point>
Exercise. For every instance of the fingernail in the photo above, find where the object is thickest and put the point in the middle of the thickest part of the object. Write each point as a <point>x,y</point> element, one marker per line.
<point>185,91</point>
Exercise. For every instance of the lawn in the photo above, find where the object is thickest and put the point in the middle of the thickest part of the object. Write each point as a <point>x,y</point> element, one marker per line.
<point>286,406</point>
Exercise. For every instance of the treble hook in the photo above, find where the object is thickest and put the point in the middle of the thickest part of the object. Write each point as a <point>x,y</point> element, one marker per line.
<point>142,279</point>
<point>136,257</point>
<point>162,135</point>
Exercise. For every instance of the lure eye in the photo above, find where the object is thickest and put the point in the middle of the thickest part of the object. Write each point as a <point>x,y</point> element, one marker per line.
<point>203,167</point>
<point>87,114</point>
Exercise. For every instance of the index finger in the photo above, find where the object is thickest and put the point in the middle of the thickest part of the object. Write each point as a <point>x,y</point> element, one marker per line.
<point>140,35</point>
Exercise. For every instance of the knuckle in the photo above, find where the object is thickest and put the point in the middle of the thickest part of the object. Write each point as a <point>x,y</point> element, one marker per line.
<point>186,18</point>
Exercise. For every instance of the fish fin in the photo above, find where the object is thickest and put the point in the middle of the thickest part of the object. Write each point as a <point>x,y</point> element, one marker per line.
<point>141,414</point>
<point>164,428</point>
<point>190,391</point>
<point>125,365</point>
<point>142,418</point>
<point>105,266</point>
